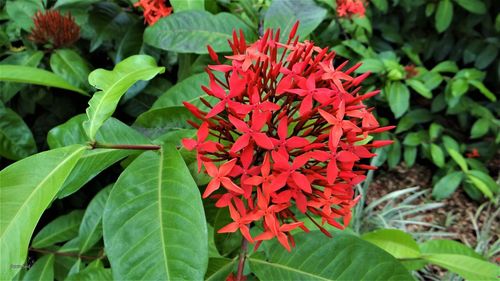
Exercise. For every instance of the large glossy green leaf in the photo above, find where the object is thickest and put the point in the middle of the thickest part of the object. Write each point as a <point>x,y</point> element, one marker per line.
<point>71,66</point>
<point>192,31</point>
<point>42,270</point>
<point>16,139</point>
<point>444,15</point>
<point>113,85</point>
<point>28,186</point>
<point>61,229</point>
<point>283,14</point>
<point>397,243</point>
<point>37,76</point>
<point>93,161</point>
<point>458,258</point>
<point>186,5</point>
<point>27,58</point>
<point>91,227</point>
<point>154,223</point>
<point>317,257</point>
<point>188,90</point>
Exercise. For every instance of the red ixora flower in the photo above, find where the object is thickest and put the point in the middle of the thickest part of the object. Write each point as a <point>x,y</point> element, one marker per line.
<point>55,29</point>
<point>289,133</point>
<point>153,10</point>
<point>348,8</point>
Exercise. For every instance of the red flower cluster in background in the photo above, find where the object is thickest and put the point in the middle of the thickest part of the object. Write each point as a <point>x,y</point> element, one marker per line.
<point>153,10</point>
<point>50,27</point>
<point>348,8</point>
<point>289,131</point>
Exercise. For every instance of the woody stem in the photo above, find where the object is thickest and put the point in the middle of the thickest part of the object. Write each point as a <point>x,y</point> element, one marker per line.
<point>241,259</point>
<point>125,146</point>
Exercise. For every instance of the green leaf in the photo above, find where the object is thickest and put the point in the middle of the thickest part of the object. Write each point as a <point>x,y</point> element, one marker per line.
<point>410,155</point>
<point>43,269</point>
<point>413,139</point>
<point>486,56</point>
<point>154,216</point>
<point>71,66</point>
<point>419,87</point>
<point>372,65</point>
<point>435,130</point>
<point>444,15</point>
<point>445,187</point>
<point>61,229</point>
<point>187,5</point>
<point>450,143</point>
<point>480,128</point>
<point>16,139</point>
<point>437,155</point>
<point>27,58</point>
<point>473,6</point>
<point>459,87</point>
<point>90,231</point>
<point>394,154</point>
<point>94,271</point>
<point>480,86</point>
<point>416,116</point>
<point>93,161</point>
<point>381,5</point>
<point>192,31</point>
<point>398,97</point>
<point>157,122</point>
<point>283,14</point>
<point>396,242</point>
<point>28,186</point>
<point>22,12</point>
<point>458,158</point>
<point>446,66</point>
<point>459,259</point>
<point>219,268</point>
<point>479,184</point>
<point>487,179</point>
<point>114,84</point>
<point>188,90</point>
<point>317,257</point>
<point>32,75</point>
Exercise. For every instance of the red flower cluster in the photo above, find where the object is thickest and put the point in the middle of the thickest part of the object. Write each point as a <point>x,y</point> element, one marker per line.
<point>289,130</point>
<point>348,8</point>
<point>411,71</point>
<point>55,29</point>
<point>153,10</point>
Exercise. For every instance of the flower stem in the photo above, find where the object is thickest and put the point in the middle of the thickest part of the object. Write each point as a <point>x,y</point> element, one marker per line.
<point>125,146</point>
<point>241,259</point>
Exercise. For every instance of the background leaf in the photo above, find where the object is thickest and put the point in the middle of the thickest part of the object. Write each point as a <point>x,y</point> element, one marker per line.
<point>90,231</point>
<point>317,257</point>
<point>26,193</point>
<point>447,185</point>
<point>71,66</point>
<point>43,269</point>
<point>283,14</point>
<point>154,213</point>
<point>444,15</point>
<point>192,31</point>
<point>16,139</point>
<point>61,229</point>
<point>186,5</point>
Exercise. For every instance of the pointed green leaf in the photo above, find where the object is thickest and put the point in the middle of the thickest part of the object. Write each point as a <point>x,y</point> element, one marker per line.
<point>481,185</point>
<point>94,271</point>
<point>283,14</point>
<point>157,122</point>
<point>219,268</point>
<point>398,96</point>
<point>188,90</point>
<point>42,270</point>
<point>458,158</point>
<point>437,155</point>
<point>28,186</point>
<point>91,227</point>
<point>27,58</point>
<point>483,90</point>
<point>154,217</point>
<point>480,128</point>
<point>37,76</point>
<point>192,31</point>
<point>317,257</point>
<point>473,6</point>
<point>447,185</point>
<point>420,88</point>
<point>71,66</point>
<point>61,229</point>
<point>444,15</point>
<point>396,242</point>
<point>113,85</point>
<point>16,139</point>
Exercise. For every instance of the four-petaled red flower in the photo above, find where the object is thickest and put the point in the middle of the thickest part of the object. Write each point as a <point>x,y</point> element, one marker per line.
<point>289,132</point>
<point>348,8</point>
<point>153,10</point>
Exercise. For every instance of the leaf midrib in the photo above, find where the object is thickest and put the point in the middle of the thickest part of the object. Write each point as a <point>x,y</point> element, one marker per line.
<point>160,216</point>
<point>289,269</point>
